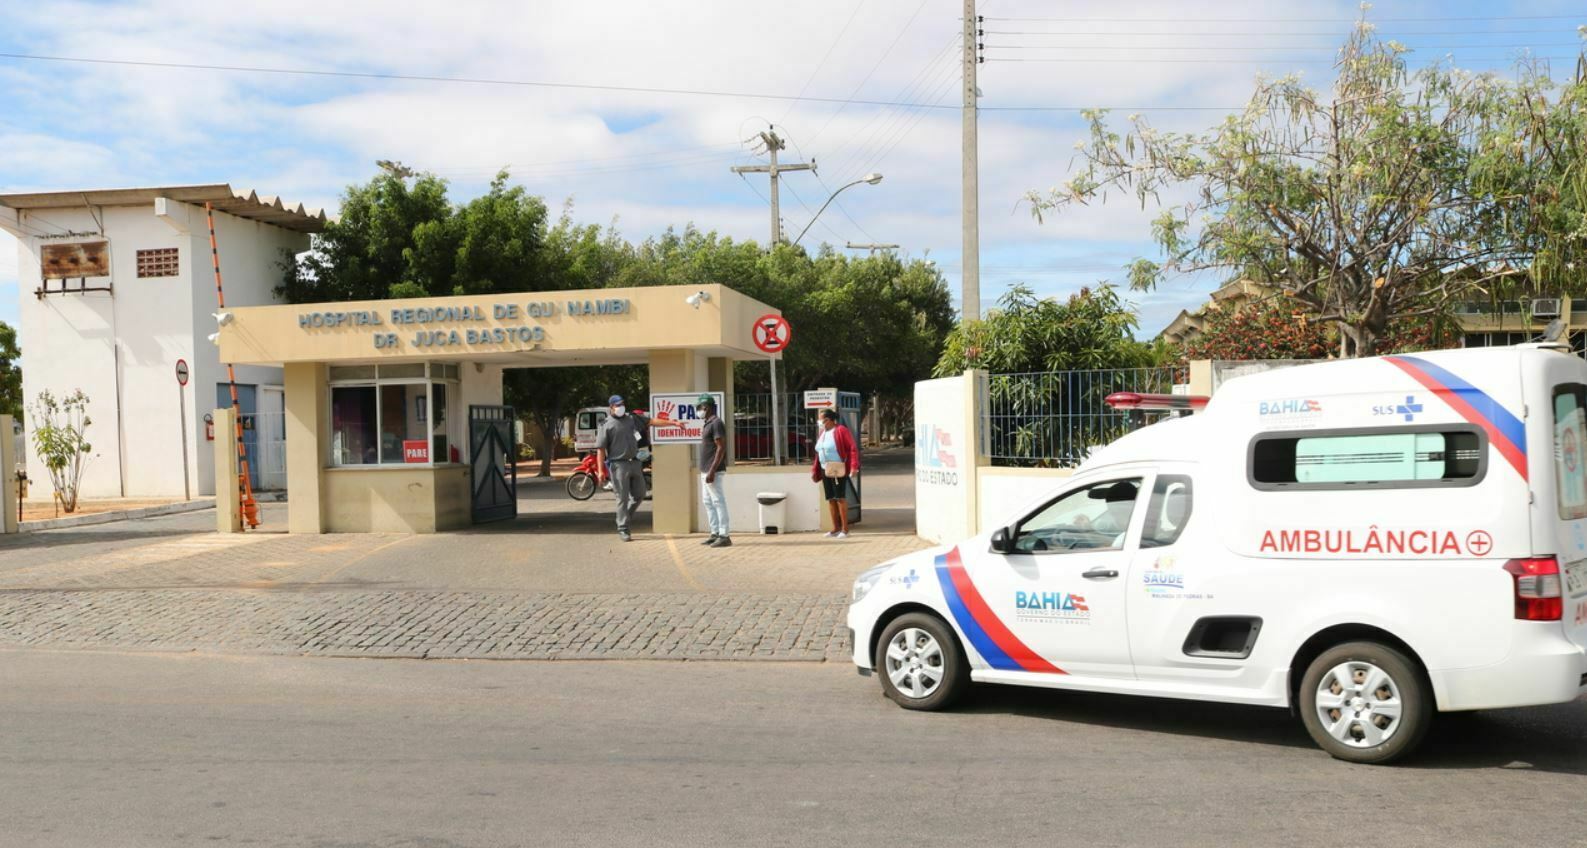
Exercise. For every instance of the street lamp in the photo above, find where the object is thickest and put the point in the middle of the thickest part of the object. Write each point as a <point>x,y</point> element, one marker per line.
<point>872,178</point>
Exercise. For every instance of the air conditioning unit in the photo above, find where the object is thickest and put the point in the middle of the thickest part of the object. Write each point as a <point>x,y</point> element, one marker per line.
<point>1545,307</point>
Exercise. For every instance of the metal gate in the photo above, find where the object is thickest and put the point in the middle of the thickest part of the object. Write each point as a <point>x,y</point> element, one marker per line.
<point>851,408</point>
<point>492,467</point>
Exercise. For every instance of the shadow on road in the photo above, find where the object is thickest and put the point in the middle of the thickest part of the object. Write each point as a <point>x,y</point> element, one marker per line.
<point>1551,739</point>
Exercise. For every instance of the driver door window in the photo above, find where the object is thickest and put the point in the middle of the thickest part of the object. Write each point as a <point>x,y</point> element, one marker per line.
<point>1094,518</point>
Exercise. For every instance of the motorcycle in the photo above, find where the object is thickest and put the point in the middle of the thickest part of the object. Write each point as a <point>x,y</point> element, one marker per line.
<point>585,480</point>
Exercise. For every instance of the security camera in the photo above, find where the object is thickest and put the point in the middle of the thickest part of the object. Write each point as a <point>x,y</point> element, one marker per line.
<point>697,298</point>
<point>223,318</point>
<point>214,338</point>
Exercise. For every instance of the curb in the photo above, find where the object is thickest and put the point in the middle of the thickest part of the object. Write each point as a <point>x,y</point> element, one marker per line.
<point>117,515</point>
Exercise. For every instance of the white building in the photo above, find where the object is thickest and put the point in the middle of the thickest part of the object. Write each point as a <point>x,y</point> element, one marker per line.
<point>147,302</point>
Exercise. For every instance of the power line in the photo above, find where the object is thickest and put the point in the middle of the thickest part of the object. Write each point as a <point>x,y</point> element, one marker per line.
<point>249,69</point>
<point>824,57</point>
<point>1271,47</point>
<point>832,194</point>
<point>634,89</point>
<point>871,72</point>
<point>1374,20</point>
<point>1252,60</point>
<point>1317,33</point>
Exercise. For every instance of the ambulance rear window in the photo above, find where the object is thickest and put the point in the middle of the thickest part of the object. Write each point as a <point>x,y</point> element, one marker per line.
<point>1570,439</point>
<point>1376,458</point>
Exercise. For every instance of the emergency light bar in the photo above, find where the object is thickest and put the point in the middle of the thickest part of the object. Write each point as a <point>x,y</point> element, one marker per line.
<point>1138,400</point>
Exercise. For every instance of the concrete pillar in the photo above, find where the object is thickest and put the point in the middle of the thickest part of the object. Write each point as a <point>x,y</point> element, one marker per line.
<point>307,433</point>
<point>977,391</point>
<point>8,476</point>
<point>228,497</point>
<point>719,378</point>
<point>675,504</point>
<point>1201,377</point>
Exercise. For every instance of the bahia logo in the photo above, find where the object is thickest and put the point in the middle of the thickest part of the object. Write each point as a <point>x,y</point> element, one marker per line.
<point>1052,601</point>
<point>1289,406</point>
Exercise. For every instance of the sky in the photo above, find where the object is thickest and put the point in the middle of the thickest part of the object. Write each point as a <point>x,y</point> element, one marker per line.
<point>649,160</point>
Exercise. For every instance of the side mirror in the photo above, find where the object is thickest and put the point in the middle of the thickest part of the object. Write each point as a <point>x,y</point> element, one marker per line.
<point>1002,541</point>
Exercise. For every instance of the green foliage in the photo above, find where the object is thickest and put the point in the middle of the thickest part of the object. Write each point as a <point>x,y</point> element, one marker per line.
<point>10,373</point>
<point>392,238</point>
<point>1395,198</point>
<point>60,439</point>
<point>1267,329</point>
<point>874,323</point>
<point>1092,329</point>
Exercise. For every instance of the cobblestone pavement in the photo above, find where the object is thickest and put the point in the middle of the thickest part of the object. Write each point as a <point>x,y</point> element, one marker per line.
<point>550,585</point>
<point>479,625</point>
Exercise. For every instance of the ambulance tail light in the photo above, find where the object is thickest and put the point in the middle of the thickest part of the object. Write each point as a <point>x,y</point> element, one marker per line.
<point>1537,589</point>
<point>1139,400</point>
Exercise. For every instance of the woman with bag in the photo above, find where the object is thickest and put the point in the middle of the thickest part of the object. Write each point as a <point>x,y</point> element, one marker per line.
<point>837,461</point>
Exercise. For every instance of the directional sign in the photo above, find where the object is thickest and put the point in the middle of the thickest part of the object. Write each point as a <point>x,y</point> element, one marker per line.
<point>181,372</point>
<point>772,333</point>
<point>821,399</point>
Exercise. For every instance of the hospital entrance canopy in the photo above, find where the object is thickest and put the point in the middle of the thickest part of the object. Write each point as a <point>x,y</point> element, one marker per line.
<point>526,329</point>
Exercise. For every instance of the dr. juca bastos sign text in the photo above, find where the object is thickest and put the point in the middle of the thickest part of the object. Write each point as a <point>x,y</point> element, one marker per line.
<point>455,326</point>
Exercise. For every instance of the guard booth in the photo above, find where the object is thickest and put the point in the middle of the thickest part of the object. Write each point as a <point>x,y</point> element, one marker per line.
<point>395,419</point>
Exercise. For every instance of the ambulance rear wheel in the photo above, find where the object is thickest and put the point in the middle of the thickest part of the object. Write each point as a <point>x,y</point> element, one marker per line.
<point>920,663</point>
<point>1364,702</point>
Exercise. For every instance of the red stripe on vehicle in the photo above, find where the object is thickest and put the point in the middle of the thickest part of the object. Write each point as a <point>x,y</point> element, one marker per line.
<point>1511,452</point>
<point>995,629</point>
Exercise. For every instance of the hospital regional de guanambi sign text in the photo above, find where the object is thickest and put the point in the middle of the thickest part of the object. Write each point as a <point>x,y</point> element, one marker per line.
<point>459,326</point>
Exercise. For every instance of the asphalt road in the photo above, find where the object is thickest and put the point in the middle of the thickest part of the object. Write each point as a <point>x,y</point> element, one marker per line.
<point>191,749</point>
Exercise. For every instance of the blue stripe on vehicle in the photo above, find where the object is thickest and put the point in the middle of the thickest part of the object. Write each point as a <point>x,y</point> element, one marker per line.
<point>983,644</point>
<point>1502,419</point>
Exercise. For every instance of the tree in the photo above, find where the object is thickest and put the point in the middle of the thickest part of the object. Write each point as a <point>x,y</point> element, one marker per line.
<point>1397,197</point>
<point>1091,330</point>
<point>392,238</point>
<point>1265,329</point>
<point>875,323</point>
<point>10,374</point>
<point>60,439</point>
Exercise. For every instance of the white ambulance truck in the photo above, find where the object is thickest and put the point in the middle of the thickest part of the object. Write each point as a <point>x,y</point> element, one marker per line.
<point>1367,542</point>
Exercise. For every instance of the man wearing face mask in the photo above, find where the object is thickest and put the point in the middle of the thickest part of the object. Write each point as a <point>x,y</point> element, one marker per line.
<point>617,446</point>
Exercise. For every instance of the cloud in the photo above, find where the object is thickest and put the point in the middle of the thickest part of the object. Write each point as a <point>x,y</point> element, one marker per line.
<point>654,160</point>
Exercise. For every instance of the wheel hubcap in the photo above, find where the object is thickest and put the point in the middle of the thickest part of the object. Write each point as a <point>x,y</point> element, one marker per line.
<point>914,663</point>
<point>1359,704</point>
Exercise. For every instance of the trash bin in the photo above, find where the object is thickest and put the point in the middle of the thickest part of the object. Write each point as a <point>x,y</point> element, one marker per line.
<point>772,508</point>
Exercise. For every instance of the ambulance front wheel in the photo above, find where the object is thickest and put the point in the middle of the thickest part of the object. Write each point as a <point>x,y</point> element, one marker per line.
<point>1364,702</point>
<point>920,663</point>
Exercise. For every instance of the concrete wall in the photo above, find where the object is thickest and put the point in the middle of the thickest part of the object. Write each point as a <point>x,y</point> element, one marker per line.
<point>250,252</point>
<point>1003,492</point>
<point>395,499</point>
<point>89,341</point>
<point>804,507</point>
<point>947,454</point>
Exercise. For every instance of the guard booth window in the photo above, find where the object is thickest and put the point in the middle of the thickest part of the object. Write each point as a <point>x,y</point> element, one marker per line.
<point>394,414</point>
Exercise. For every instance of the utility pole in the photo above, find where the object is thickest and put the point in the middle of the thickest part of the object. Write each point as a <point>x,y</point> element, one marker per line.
<point>970,300</point>
<point>871,246</point>
<point>773,143</point>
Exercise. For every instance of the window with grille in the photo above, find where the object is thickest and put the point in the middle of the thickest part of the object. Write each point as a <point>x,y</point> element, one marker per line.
<point>158,262</point>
